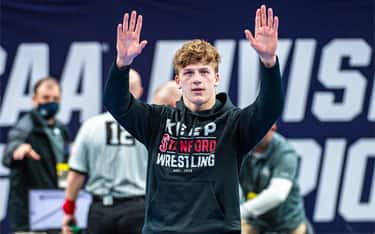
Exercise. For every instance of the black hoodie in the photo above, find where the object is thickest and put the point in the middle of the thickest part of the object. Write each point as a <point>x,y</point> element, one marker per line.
<point>28,173</point>
<point>194,157</point>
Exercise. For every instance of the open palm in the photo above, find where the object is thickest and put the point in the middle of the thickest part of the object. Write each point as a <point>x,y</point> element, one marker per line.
<point>265,39</point>
<point>128,42</point>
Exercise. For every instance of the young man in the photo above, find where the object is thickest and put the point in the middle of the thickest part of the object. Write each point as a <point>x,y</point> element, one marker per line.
<point>268,179</point>
<point>35,145</point>
<point>196,149</point>
<point>115,164</point>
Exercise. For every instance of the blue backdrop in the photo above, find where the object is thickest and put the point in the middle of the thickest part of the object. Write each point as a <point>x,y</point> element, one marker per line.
<point>327,61</point>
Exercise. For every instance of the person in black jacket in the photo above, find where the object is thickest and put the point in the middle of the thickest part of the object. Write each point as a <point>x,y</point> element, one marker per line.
<point>35,145</point>
<point>196,149</point>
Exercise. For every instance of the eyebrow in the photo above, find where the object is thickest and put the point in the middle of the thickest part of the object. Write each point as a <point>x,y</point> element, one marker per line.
<point>188,71</point>
<point>203,69</point>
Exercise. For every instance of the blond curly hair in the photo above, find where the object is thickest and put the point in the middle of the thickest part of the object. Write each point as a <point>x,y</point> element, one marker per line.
<point>196,51</point>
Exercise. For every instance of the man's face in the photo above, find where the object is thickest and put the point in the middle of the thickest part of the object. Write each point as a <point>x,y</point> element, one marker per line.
<point>48,91</point>
<point>198,82</point>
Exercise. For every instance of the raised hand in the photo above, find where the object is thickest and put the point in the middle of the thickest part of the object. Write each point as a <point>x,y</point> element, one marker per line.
<point>265,39</point>
<point>128,39</point>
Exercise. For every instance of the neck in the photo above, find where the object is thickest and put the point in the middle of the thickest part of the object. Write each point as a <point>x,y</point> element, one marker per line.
<point>194,107</point>
<point>198,107</point>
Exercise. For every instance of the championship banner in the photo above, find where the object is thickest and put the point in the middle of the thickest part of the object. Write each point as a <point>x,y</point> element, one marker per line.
<point>326,54</point>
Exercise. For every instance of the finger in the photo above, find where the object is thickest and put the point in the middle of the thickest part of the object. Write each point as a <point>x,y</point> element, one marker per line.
<point>263,17</point>
<point>119,31</point>
<point>257,20</point>
<point>276,24</point>
<point>138,27</point>
<point>143,44</point>
<point>17,155</point>
<point>21,151</point>
<point>133,18</point>
<point>125,22</point>
<point>67,230</point>
<point>249,36</point>
<point>33,154</point>
<point>270,17</point>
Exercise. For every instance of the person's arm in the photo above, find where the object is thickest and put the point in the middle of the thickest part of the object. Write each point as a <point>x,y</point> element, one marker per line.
<point>275,194</point>
<point>78,169</point>
<point>17,148</point>
<point>75,181</point>
<point>283,176</point>
<point>256,119</point>
<point>128,111</point>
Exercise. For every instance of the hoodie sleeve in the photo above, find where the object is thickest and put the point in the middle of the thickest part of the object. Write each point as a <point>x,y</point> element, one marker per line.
<point>17,135</point>
<point>131,113</point>
<point>256,119</point>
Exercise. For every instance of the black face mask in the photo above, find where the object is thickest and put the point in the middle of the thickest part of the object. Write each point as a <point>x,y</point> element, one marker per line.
<point>48,110</point>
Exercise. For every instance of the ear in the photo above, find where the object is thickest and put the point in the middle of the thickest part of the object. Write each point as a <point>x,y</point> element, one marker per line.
<point>178,81</point>
<point>217,79</point>
<point>34,101</point>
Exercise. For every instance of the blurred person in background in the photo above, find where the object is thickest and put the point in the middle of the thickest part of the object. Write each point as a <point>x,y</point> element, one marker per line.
<point>167,94</point>
<point>114,164</point>
<point>269,185</point>
<point>36,144</point>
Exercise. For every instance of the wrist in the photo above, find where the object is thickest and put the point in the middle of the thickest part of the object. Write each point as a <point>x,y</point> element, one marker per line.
<point>243,211</point>
<point>122,63</point>
<point>246,212</point>
<point>268,61</point>
<point>69,206</point>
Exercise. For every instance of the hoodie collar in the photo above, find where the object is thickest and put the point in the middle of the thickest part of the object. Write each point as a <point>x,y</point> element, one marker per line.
<point>222,104</point>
